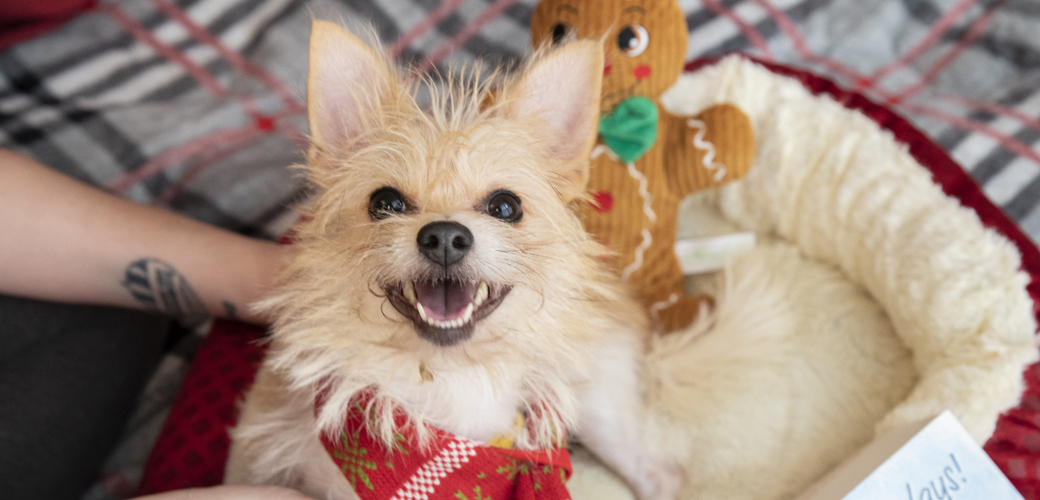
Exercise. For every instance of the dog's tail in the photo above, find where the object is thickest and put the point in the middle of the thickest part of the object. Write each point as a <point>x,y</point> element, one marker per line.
<point>689,373</point>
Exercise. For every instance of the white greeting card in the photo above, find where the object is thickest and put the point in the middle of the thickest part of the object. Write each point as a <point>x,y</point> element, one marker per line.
<point>932,460</point>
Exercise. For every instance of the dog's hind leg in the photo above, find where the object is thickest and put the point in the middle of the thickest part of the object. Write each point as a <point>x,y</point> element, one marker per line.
<point>612,419</point>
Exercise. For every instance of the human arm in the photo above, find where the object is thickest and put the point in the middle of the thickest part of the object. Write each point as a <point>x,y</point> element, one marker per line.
<point>63,240</point>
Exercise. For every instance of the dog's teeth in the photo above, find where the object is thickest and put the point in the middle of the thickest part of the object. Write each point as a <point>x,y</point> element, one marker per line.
<point>409,292</point>
<point>467,315</point>
<point>482,294</point>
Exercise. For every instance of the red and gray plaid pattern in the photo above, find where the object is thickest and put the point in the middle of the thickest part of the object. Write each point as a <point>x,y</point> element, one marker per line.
<point>197,105</point>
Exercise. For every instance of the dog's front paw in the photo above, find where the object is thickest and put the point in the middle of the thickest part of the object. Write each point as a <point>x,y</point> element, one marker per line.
<point>659,480</point>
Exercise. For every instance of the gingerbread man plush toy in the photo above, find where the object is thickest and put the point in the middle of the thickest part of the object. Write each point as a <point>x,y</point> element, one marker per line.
<point>648,160</point>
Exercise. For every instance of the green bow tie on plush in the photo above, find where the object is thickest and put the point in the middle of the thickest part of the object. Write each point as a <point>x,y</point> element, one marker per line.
<point>631,129</point>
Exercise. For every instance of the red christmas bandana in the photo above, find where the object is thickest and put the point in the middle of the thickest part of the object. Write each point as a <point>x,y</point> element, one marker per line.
<point>454,468</point>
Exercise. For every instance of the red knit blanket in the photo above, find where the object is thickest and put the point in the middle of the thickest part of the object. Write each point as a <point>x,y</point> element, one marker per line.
<point>453,468</point>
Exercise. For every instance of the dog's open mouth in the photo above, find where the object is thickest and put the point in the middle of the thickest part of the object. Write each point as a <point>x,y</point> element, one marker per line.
<point>446,311</point>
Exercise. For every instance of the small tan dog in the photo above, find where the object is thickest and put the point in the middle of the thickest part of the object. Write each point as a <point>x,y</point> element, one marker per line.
<point>442,274</point>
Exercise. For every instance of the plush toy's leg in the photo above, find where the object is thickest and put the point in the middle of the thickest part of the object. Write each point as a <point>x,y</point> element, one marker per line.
<point>662,282</point>
<point>682,313</point>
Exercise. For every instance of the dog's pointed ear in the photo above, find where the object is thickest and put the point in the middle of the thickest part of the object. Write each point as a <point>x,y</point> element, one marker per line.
<point>562,88</point>
<point>346,82</point>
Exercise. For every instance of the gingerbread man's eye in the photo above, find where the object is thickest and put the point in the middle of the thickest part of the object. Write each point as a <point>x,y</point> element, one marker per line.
<point>560,33</point>
<point>633,39</point>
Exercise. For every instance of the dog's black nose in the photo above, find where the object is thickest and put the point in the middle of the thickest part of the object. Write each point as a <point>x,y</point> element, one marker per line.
<point>445,242</point>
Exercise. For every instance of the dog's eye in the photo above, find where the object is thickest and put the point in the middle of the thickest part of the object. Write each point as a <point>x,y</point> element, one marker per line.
<point>505,206</point>
<point>385,202</point>
<point>633,39</point>
<point>560,32</point>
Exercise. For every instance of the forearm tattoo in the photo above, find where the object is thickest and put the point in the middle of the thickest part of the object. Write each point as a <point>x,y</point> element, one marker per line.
<point>158,286</point>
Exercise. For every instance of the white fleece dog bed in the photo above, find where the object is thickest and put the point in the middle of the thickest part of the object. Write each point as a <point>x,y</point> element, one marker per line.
<point>872,299</point>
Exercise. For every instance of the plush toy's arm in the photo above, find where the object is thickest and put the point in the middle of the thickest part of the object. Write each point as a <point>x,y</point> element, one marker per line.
<point>709,149</point>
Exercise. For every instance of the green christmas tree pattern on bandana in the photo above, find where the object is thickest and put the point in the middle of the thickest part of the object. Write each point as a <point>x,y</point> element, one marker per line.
<point>631,129</point>
<point>454,468</point>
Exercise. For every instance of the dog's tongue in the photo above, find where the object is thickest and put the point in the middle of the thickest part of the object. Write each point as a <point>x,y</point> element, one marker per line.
<point>445,300</point>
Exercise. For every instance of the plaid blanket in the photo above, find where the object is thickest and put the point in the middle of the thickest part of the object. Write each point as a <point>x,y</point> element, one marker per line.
<point>197,106</point>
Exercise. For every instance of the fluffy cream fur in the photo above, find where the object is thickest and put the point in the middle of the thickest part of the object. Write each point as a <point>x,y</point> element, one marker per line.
<point>873,300</point>
<point>564,343</point>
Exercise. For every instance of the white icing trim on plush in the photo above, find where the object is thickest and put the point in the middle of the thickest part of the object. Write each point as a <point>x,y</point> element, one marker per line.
<point>640,250</point>
<point>709,156</point>
<point>644,191</point>
<point>648,208</point>
<point>657,307</point>
<point>600,149</point>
